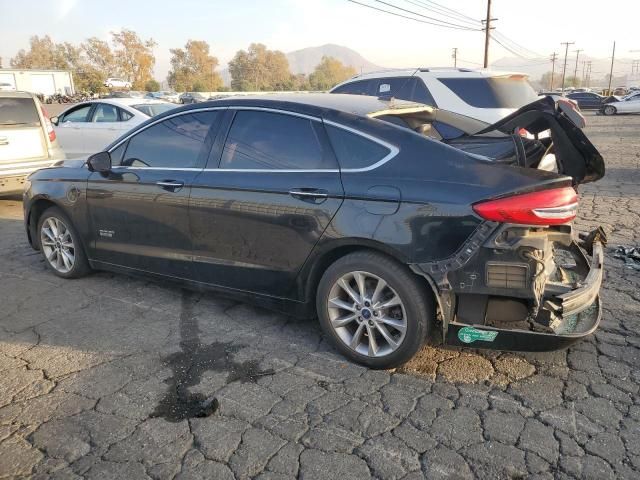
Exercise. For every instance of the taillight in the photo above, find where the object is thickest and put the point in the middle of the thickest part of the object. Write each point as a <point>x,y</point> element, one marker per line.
<point>546,207</point>
<point>47,123</point>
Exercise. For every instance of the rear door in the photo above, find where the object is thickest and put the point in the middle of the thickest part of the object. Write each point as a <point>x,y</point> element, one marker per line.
<point>21,134</point>
<point>71,129</point>
<point>256,218</point>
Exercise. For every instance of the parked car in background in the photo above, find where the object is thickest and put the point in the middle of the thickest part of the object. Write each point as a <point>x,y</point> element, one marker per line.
<point>114,82</point>
<point>482,94</point>
<point>7,87</point>
<point>27,140</point>
<point>167,96</point>
<point>627,104</point>
<point>587,100</point>
<point>192,97</point>
<point>392,238</point>
<point>88,127</point>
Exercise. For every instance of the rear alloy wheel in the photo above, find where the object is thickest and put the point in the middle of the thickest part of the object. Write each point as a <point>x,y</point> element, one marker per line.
<point>60,245</point>
<point>609,110</point>
<point>374,309</point>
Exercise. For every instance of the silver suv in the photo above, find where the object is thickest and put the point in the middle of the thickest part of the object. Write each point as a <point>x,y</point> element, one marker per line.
<point>27,140</point>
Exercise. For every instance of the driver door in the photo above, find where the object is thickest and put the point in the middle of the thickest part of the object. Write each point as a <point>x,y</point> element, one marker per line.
<point>71,129</point>
<point>140,210</point>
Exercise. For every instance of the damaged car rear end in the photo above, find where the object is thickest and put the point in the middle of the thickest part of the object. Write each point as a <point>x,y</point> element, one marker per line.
<point>525,280</point>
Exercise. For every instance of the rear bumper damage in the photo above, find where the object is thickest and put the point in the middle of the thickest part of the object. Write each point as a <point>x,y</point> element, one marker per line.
<point>520,288</point>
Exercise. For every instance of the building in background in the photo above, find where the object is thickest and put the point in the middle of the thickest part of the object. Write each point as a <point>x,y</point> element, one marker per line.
<point>46,82</point>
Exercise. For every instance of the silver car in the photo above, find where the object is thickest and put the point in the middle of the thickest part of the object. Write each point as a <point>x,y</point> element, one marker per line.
<point>27,140</point>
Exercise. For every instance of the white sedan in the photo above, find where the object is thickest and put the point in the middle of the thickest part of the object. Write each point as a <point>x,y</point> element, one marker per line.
<point>88,127</point>
<point>114,82</point>
<point>628,104</point>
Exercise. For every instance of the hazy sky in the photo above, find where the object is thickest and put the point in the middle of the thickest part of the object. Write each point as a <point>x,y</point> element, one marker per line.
<point>293,24</point>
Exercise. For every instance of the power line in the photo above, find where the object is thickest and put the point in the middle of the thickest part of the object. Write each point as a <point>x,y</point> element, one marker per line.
<point>442,7</point>
<point>423,16</point>
<point>407,17</point>
<point>516,46</point>
<point>458,16</point>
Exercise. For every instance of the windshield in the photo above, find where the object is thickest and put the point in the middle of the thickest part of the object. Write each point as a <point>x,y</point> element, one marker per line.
<point>153,109</point>
<point>513,91</point>
<point>18,111</point>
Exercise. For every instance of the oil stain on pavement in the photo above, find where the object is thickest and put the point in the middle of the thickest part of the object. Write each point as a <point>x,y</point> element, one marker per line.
<point>191,362</point>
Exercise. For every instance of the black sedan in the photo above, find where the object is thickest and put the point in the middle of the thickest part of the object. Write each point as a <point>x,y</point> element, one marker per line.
<point>309,204</point>
<point>587,100</point>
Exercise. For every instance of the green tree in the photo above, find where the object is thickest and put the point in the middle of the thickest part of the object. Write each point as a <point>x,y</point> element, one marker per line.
<point>259,69</point>
<point>43,53</point>
<point>134,57</point>
<point>329,72</point>
<point>193,69</point>
<point>152,85</point>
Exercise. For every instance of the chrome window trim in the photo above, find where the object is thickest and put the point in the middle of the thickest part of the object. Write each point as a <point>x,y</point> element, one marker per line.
<point>393,150</point>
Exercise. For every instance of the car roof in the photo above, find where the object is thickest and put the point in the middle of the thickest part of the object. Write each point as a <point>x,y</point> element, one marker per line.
<point>15,94</point>
<point>130,101</point>
<point>318,104</point>
<point>440,72</point>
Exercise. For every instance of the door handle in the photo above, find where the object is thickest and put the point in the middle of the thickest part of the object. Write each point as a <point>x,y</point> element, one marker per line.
<point>170,185</point>
<point>309,194</point>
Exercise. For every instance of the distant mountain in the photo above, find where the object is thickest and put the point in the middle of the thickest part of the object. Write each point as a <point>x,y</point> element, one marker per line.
<point>306,59</point>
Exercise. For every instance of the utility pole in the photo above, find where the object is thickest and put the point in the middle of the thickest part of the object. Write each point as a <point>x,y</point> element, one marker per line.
<point>613,56</point>
<point>554,57</point>
<point>454,55</point>
<point>487,33</point>
<point>564,69</point>
<point>575,72</point>
<point>588,73</point>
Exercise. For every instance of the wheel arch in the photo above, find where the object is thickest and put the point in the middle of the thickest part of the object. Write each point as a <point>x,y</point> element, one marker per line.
<point>36,208</point>
<point>339,248</point>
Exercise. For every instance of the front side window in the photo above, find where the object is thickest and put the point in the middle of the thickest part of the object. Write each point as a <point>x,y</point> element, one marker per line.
<point>80,114</point>
<point>105,113</point>
<point>274,141</point>
<point>353,150</point>
<point>177,142</point>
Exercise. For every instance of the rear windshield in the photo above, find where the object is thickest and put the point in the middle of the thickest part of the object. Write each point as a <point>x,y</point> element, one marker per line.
<point>497,92</point>
<point>18,111</point>
<point>153,109</point>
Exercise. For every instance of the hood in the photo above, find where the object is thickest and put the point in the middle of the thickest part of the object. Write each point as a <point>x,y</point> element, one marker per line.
<point>575,154</point>
<point>70,163</point>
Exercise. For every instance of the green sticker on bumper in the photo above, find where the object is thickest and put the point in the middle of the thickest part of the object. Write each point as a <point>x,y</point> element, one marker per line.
<point>470,335</point>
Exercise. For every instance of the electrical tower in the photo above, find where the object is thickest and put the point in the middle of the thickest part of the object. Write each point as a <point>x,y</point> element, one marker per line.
<point>454,55</point>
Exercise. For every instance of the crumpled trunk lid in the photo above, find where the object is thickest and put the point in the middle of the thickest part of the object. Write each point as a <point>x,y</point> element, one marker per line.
<point>575,155</point>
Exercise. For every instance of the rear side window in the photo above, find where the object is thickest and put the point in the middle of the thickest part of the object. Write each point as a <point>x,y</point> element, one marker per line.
<point>361,87</point>
<point>18,111</point>
<point>353,150</point>
<point>405,88</point>
<point>497,92</point>
<point>105,113</point>
<point>274,141</point>
<point>176,142</point>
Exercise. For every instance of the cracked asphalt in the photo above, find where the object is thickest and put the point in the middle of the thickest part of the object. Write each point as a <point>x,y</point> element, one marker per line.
<point>110,377</point>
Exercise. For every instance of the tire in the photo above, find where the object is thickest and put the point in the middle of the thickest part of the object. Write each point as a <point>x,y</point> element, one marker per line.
<point>406,324</point>
<point>61,246</point>
<point>609,110</point>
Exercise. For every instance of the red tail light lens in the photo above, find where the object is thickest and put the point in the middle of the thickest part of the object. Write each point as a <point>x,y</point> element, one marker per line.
<point>50,130</point>
<point>547,207</point>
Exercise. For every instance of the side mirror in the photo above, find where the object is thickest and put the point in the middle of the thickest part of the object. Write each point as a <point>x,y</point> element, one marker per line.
<point>54,120</point>
<point>99,162</point>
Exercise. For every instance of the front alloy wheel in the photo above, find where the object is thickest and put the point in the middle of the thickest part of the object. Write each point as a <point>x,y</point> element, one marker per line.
<point>609,110</point>
<point>57,245</point>
<point>60,245</point>
<point>367,315</point>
